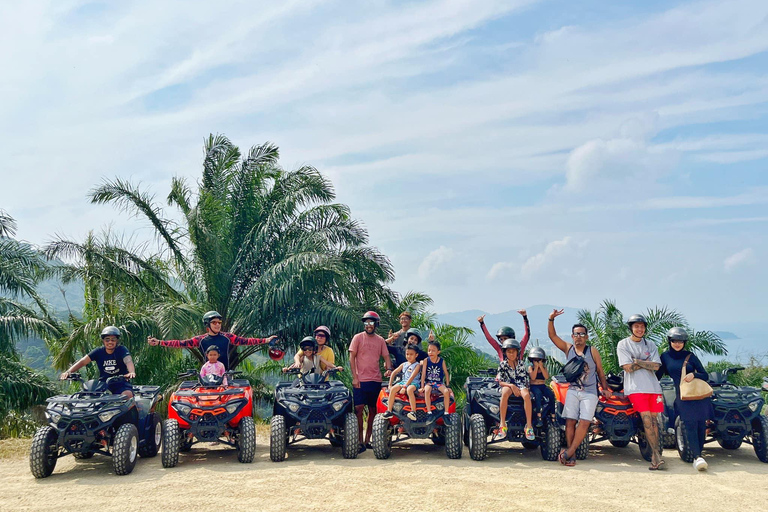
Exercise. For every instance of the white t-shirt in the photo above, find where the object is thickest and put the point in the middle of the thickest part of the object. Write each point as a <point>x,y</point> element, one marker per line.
<point>642,380</point>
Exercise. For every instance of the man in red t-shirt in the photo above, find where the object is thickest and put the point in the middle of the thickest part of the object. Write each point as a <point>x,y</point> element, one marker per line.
<point>365,351</point>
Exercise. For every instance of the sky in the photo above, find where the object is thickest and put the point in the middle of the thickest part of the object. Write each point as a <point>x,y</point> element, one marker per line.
<point>500,153</point>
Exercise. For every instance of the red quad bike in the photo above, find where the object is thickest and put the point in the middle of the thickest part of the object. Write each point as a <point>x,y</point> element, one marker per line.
<point>399,427</point>
<point>208,411</point>
<point>615,419</point>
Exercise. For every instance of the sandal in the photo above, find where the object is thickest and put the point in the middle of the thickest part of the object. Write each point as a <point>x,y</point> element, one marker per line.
<point>561,457</point>
<point>657,467</point>
<point>570,462</point>
<point>503,431</point>
<point>529,434</point>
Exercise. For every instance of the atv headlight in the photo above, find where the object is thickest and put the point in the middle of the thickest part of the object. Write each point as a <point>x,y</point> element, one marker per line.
<point>338,405</point>
<point>184,409</point>
<point>108,415</point>
<point>494,409</point>
<point>53,416</point>
<point>293,407</point>
<point>398,407</point>
<point>754,405</point>
<point>233,406</point>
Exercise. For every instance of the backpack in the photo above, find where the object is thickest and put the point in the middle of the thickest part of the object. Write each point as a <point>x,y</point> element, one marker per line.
<point>575,367</point>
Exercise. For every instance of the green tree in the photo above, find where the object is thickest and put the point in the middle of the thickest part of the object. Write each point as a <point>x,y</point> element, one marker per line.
<point>607,327</point>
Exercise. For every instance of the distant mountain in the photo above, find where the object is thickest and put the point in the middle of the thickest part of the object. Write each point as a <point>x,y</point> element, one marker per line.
<point>725,335</point>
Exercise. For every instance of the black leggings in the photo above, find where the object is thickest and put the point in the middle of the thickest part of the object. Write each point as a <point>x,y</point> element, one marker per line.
<point>537,393</point>
<point>696,431</point>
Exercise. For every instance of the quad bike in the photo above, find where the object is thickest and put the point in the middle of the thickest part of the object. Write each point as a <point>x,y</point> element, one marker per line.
<point>615,419</point>
<point>482,416</point>
<point>207,410</point>
<point>738,417</point>
<point>667,430</point>
<point>387,431</point>
<point>312,407</point>
<point>94,420</point>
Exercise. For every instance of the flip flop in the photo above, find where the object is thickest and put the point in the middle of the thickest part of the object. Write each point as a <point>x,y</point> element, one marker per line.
<point>570,462</point>
<point>658,467</point>
<point>503,431</point>
<point>561,457</point>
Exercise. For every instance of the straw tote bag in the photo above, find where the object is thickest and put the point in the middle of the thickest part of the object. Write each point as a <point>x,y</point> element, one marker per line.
<point>697,389</point>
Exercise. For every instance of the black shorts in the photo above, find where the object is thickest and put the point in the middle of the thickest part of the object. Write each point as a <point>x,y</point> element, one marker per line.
<point>118,387</point>
<point>367,394</point>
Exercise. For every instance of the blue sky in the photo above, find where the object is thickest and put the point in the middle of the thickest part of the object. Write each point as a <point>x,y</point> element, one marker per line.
<point>501,153</point>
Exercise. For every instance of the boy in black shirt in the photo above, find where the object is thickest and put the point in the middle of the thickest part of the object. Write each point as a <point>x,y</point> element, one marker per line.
<point>112,359</point>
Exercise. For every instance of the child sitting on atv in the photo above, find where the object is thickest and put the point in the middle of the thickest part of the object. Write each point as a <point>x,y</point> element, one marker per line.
<point>322,336</point>
<point>309,360</point>
<point>434,375</point>
<point>537,371</point>
<point>214,366</point>
<point>514,380</point>
<point>410,369</point>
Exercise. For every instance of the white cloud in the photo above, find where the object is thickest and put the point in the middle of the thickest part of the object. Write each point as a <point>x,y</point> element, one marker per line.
<point>442,266</point>
<point>551,258</point>
<point>739,259</point>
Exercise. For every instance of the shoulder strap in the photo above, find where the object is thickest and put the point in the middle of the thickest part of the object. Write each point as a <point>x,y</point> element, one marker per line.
<point>685,363</point>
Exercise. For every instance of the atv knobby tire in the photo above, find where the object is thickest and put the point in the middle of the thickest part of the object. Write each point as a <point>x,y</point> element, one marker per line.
<point>620,443</point>
<point>171,442</point>
<point>154,437</point>
<point>478,437</point>
<point>760,437</point>
<point>668,440</point>
<point>582,451</point>
<point>645,447</point>
<point>681,441</point>
<point>44,452</point>
<point>730,444</point>
<point>381,438</point>
<point>550,446</point>
<point>246,440</point>
<point>277,438</point>
<point>453,443</point>
<point>350,447</point>
<point>125,449</point>
<point>83,455</point>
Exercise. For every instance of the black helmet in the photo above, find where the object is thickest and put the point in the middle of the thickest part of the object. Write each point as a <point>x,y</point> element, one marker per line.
<point>413,332</point>
<point>214,348</point>
<point>677,334</point>
<point>537,353</point>
<point>506,331</point>
<point>511,343</point>
<point>110,330</point>
<point>308,342</point>
<point>635,319</point>
<point>210,316</point>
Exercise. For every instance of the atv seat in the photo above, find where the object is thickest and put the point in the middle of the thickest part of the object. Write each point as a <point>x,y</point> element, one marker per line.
<point>188,384</point>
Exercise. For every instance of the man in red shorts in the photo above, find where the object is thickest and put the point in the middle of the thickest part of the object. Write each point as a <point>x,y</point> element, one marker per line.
<point>640,359</point>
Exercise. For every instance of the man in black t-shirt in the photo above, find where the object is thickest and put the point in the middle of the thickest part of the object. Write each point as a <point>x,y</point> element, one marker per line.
<point>111,359</point>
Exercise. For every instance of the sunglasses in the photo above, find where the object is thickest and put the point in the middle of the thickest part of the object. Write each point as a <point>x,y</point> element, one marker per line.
<point>676,341</point>
<point>215,322</point>
<point>369,322</point>
<point>320,335</point>
<point>580,334</point>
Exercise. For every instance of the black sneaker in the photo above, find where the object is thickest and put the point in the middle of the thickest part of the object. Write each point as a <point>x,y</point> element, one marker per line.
<point>388,414</point>
<point>362,448</point>
<point>369,446</point>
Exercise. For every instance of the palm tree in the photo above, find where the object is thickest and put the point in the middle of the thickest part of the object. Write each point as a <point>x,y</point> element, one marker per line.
<point>265,247</point>
<point>607,327</point>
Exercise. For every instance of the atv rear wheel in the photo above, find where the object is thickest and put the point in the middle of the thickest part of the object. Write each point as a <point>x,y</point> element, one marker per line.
<point>277,438</point>
<point>645,447</point>
<point>529,445</point>
<point>171,442</point>
<point>44,452</point>
<point>154,437</point>
<point>350,447</point>
<point>619,443</point>
<point>83,455</point>
<point>246,440</point>
<point>125,449</point>
<point>381,438</point>
<point>681,441</point>
<point>730,444</point>
<point>453,443</point>
<point>582,451</point>
<point>760,437</point>
<point>478,437</point>
<point>550,447</point>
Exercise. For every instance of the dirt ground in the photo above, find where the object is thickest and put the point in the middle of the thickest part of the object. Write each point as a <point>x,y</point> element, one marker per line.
<point>418,476</point>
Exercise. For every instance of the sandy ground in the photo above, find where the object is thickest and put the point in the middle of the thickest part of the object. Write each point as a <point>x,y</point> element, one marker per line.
<point>418,476</point>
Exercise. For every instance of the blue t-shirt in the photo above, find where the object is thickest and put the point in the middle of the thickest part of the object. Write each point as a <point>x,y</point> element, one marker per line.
<point>110,364</point>
<point>435,374</point>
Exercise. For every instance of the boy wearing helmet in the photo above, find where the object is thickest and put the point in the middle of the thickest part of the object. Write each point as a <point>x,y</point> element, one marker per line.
<point>111,359</point>
<point>365,352</point>
<point>322,336</point>
<point>505,333</point>
<point>640,360</point>
<point>212,321</point>
<point>513,380</point>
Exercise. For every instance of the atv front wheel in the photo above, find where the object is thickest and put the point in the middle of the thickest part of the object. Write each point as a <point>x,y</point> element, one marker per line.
<point>619,443</point>
<point>730,444</point>
<point>478,437</point>
<point>125,449</point>
<point>350,447</point>
<point>550,447</point>
<point>453,444</point>
<point>154,437</point>
<point>246,440</point>
<point>381,438</point>
<point>171,442</point>
<point>277,438</point>
<point>44,452</point>
<point>760,437</point>
<point>681,441</point>
<point>582,451</point>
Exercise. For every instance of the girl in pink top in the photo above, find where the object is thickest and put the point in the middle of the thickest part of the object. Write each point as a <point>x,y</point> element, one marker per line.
<point>213,366</point>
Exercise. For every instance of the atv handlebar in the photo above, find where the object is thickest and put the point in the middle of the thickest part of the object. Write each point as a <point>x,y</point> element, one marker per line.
<point>735,369</point>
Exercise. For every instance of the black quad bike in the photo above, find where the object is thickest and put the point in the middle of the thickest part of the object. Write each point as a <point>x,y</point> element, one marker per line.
<point>667,429</point>
<point>94,420</point>
<point>482,416</point>
<point>738,418</point>
<point>312,407</point>
<point>399,427</point>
